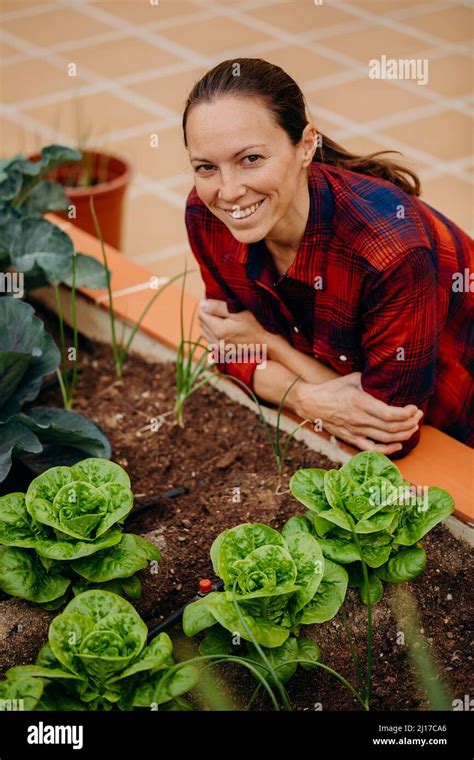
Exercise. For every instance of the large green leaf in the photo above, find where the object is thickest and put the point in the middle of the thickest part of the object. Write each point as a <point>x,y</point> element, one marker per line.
<point>329,596</point>
<point>214,607</point>
<point>17,528</point>
<point>405,565</point>
<point>71,549</point>
<point>339,549</point>
<point>120,561</point>
<point>418,519</point>
<point>216,641</point>
<point>370,463</point>
<point>10,184</point>
<point>20,690</point>
<point>45,197</point>
<point>100,472</point>
<point>27,354</point>
<point>297,524</point>
<point>22,574</point>
<point>42,244</point>
<point>283,660</point>
<point>307,485</point>
<point>375,589</point>
<point>165,686</point>
<point>66,429</point>
<point>308,653</point>
<point>338,488</point>
<point>376,548</point>
<point>308,558</point>
<point>90,273</point>
<point>32,172</point>
<point>16,440</point>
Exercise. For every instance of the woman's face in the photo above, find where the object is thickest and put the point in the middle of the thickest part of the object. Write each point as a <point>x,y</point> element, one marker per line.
<point>246,170</point>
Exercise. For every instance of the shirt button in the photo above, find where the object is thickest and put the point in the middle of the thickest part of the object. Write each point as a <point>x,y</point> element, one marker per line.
<point>295,329</point>
<point>343,358</point>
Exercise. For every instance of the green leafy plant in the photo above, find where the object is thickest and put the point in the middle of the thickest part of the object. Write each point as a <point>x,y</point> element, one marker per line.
<point>366,514</point>
<point>65,534</point>
<point>272,586</point>
<point>30,244</point>
<point>97,658</point>
<point>39,436</point>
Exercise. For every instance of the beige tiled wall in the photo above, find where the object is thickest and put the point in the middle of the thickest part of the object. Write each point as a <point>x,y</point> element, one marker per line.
<point>137,60</point>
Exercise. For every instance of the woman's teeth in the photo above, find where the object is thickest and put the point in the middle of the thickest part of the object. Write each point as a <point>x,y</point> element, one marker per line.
<point>244,213</point>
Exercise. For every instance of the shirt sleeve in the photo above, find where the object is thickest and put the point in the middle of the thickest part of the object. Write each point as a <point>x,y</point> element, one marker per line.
<point>216,288</point>
<point>400,334</point>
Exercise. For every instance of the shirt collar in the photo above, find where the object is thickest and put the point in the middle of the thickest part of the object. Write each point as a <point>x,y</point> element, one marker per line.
<point>317,233</point>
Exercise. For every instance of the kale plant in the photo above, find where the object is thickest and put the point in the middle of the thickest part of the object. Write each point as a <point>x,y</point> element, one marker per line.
<point>97,658</point>
<point>30,244</point>
<point>367,511</point>
<point>65,534</point>
<point>38,436</point>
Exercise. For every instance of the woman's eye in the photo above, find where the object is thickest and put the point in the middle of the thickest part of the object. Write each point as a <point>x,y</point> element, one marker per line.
<point>206,167</point>
<point>253,158</point>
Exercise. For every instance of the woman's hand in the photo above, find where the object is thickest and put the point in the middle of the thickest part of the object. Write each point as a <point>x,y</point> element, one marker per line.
<point>349,413</point>
<point>217,323</point>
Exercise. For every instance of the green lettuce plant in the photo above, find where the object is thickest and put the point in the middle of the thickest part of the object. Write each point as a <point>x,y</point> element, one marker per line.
<point>65,535</point>
<point>365,515</point>
<point>38,436</point>
<point>97,658</point>
<point>272,586</point>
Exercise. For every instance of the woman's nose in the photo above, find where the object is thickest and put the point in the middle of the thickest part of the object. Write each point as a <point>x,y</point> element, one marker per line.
<point>231,190</point>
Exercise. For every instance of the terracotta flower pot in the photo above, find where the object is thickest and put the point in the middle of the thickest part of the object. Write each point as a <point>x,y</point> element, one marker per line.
<point>108,177</point>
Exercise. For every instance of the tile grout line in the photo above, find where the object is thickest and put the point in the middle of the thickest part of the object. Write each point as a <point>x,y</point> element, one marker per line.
<point>400,117</point>
<point>133,288</point>
<point>350,122</point>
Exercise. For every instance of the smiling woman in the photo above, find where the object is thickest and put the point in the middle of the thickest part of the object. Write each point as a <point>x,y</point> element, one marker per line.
<point>328,259</point>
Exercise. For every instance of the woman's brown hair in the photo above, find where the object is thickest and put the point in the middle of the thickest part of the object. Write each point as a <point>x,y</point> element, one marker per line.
<point>260,79</point>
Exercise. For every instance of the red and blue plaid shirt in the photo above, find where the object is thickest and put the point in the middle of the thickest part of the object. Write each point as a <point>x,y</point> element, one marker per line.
<point>380,285</point>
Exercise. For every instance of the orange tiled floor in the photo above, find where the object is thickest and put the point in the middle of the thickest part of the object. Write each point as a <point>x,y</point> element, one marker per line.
<point>136,62</point>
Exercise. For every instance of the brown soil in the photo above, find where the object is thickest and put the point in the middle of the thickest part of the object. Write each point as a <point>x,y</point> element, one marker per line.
<point>222,448</point>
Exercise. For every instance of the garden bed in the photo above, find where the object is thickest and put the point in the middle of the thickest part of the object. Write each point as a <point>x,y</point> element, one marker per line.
<point>223,448</point>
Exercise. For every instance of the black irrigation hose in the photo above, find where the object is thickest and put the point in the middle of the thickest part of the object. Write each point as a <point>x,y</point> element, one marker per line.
<point>174,493</point>
<point>176,616</point>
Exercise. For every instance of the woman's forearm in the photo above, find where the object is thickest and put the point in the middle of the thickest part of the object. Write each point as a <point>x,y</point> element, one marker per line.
<point>272,382</point>
<point>302,365</point>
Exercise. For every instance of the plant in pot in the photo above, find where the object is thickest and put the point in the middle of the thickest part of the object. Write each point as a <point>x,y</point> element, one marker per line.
<point>102,176</point>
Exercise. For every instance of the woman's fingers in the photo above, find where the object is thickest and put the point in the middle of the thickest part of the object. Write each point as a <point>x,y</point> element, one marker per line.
<point>207,330</point>
<point>217,308</point>
<point>365,444</point>
<point>384,411</point>
<point>364,420</point>
<point>212,324</point>
<point>383,436</point>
